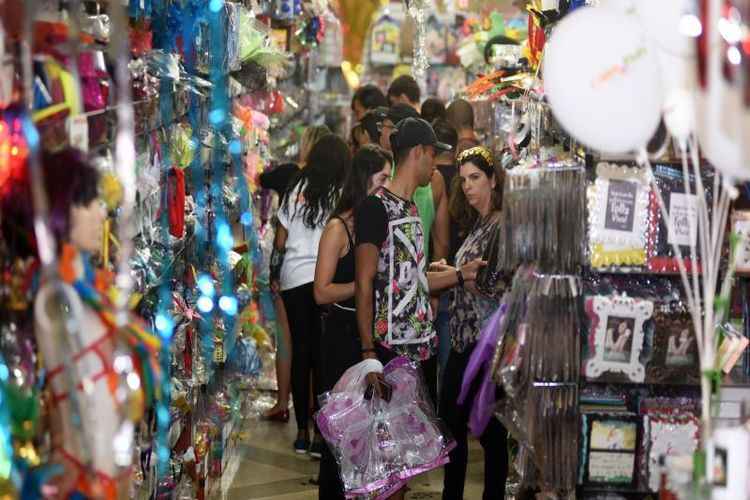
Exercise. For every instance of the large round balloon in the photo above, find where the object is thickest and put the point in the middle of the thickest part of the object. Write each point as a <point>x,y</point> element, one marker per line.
<point>602,80</point>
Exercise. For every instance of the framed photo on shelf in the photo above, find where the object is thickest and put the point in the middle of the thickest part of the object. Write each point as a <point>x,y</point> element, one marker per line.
<point>674,350</point>
<point>610,450</point>
<point>618,216</point>
<point>668,434</point>
<point>616,336</point>
<point>683,213</point>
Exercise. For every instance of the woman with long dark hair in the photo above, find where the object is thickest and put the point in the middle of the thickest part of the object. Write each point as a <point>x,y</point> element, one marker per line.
<point>481,192</point>
<point>334,286</point>
<point>305,209</point>
<point>278,180</point>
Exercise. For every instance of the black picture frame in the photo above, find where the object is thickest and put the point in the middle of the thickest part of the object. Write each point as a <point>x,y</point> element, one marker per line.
<point>615,451</point>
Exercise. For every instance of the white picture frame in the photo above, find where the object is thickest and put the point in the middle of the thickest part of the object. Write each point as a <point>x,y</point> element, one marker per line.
<point>616,336</point>
<point>619,214</point>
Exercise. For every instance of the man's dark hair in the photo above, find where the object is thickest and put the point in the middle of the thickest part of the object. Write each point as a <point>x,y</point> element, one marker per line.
<point>433,109</point>
<point>369,96</point>
<point>371,120</point>
<point>446,132</point>
<point>401,111</point>
<point>460,114</point>
<point>404,85</point>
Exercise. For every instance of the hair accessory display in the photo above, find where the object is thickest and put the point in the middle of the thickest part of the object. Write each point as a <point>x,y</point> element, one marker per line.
<point>544,219</point>
<point>540,406</point>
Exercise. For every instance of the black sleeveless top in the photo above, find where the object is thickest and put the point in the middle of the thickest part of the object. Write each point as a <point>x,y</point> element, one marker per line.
<point>345,268</point>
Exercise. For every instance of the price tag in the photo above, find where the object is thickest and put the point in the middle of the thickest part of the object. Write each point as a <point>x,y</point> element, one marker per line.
<point>78,132</point>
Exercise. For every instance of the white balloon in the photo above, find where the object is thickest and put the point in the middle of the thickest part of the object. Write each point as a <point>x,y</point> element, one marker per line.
<point>602,80</point>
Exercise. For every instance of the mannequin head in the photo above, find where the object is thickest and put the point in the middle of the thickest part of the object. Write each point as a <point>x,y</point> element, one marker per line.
<point>76,214</point>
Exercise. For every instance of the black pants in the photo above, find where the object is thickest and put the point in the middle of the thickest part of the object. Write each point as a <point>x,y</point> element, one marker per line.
<point>339,350</point>
<point>304,326</point>
<point>456,417</point>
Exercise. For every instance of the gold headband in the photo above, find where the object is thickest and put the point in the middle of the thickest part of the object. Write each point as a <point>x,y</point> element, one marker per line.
<point>476,151</point>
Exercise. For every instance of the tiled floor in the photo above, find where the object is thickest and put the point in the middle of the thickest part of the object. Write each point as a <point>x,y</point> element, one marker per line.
<point>271,470</point>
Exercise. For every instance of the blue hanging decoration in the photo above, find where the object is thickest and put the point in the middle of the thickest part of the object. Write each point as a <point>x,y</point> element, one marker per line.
<point>218,117</point>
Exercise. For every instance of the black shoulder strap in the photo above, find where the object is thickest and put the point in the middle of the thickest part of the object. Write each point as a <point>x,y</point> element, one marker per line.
<point>348,234</point>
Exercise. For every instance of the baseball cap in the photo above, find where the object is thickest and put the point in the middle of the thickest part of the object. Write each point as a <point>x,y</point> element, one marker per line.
<point>412,132</point>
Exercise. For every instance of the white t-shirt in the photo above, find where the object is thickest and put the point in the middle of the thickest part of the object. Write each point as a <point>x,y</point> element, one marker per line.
<point>301,244</point>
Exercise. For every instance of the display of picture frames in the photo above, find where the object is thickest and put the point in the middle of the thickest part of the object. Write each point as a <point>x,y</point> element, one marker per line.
<point>611,449</point>
<point>619,216</point>
<point>616,335</point>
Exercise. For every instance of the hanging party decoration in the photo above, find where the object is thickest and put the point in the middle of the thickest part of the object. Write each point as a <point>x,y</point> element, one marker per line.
<point>602,80</point>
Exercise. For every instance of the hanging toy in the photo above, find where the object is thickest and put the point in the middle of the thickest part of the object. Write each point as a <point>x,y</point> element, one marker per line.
<point>176,202</point>
<point>287,9</point>
<point>312,32</point>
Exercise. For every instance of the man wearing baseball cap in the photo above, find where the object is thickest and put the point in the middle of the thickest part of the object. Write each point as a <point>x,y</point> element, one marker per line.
<point>392,284</point>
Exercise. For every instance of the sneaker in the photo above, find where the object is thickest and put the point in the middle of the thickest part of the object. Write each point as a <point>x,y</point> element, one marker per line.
<point>316,449</point>
<point>301,446</point>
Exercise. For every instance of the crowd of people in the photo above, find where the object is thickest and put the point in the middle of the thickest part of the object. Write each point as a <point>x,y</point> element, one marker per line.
<point>379,240</point>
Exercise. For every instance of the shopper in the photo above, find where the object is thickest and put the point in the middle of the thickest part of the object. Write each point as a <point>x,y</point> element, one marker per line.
<point>371,123</point>
<point>461,115</point>
<point>433,109</point>
<point>334,286</point>
<point>278,180</point>
<point>481,183</point>
<point>432,199</point>
<point>404,90</point>
<point>445,163</point>
<point>392,284</point>
<point>306,207</point>
<point>367,97</point>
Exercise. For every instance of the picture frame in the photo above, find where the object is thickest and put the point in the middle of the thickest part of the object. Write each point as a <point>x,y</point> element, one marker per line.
<point>674,350</point>
<point>616,336</point>
<point>611,451</point>
<point>668,434</point>
<point>683,212</point>
<point>619,215</point>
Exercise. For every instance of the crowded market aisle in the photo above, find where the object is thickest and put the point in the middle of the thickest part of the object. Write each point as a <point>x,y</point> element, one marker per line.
<point>270,469</point>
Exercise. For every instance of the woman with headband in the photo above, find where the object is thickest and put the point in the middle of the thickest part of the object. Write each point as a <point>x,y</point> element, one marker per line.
<point>481,188</point>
